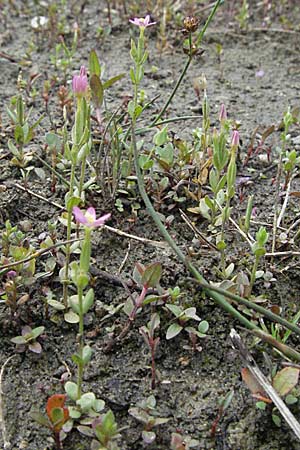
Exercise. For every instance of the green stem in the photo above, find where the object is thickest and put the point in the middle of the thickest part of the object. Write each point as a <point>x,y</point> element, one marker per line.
<point>160,114</point>
<point>68,246</point>
<point>81,340</point>
<point>82,175</point>
<point>251,305</point>
<point>208,20</point>
<point>253,273</point>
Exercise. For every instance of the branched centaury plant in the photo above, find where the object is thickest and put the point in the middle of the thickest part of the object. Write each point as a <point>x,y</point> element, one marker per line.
<point>23,133</point>
<point>218,295</point>
<point>217,179</point>
<point>81,145</point>
<point>81,303</point>
<point>230,191</point>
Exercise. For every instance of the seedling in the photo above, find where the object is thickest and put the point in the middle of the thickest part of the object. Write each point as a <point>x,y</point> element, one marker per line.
<point>183,442</point>
<point>223,405</point>
<point>152,342</point>
<point>182,318</point>
<point>105,429</point>
<point>28,340</point>
<point>259,250</point>
<point>148,277</point>
<point>145,412</point>
<point>57,416</point>
<point>86,404</point>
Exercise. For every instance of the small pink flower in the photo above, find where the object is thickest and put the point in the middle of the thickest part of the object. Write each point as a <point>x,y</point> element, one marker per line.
<point>11,274</point>
<point>260,73</point>
<point>88,218</point>
<point>235,138</point>
<point>223,113</point>
<point>142,23</point>
<point>80,82</point>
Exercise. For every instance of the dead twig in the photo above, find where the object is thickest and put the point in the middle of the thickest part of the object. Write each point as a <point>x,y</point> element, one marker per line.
<point>6,443</point>
<point>251,365</point>
<point>136,238</point>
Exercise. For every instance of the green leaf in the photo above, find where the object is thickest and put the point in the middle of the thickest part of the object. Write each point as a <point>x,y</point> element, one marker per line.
<point>276,419</point>
<point>99,405</point>
<point>113,80</point>
<point>144,162</point>
<point>74,412</point>
<point>71,389</point>
<point>38,417</point>
<point>88,301</point>
<point>73,301</point>
<point>203,327</point>
<point>97,90</point>
<point>161,137</point>
<point>19,340</point>
<point>176,310</point>
<point>71,317</point>
<point>173,330</point>
<point>86,354</point>
<point>86,401</point>
<point>94,64</point>
<point>261,405</point>
<point>285,380</point>
<point>56,305</point>
<point>151,275</point>
<point>37,331</point>
<point>52,140</point>
<point>290,399</point>
<point>71,202</point>
<point>191,313</point>
<point>57,415</point>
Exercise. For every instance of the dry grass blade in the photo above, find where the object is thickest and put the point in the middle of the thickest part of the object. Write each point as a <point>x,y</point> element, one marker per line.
<point>251,365</point>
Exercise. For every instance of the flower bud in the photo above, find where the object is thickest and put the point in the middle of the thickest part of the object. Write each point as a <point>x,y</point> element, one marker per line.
<point>235,139</point>
<point>223,113</point>
<point>80,83</point>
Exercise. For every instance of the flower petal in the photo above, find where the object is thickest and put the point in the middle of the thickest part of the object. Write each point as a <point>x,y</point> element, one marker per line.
<point>91,212</point>
<point>79,216</point>
<point>101,220</point>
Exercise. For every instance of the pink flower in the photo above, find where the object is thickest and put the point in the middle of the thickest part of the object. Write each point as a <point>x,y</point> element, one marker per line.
<point>142,23</point>
<point>80,82</point>
<point>223,113</point>
<point>260,73</point>
<point>11,274</point>
<point>235,138</point>
<point>89,217</point>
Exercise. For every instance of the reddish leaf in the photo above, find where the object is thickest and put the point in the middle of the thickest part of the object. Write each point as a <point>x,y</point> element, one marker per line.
<point>254,386</point>
<point>56,402</point>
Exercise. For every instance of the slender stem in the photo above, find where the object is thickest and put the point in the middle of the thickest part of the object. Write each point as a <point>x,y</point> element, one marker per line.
<point>209,19</point>
<point>68,246</point>
<point>153,370</point>
<point>251,305</point>
<point>81,340</point>
<point>160,114</point>
<point>253,273</point>
<point>82,175</point>
<point>188,62</point>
